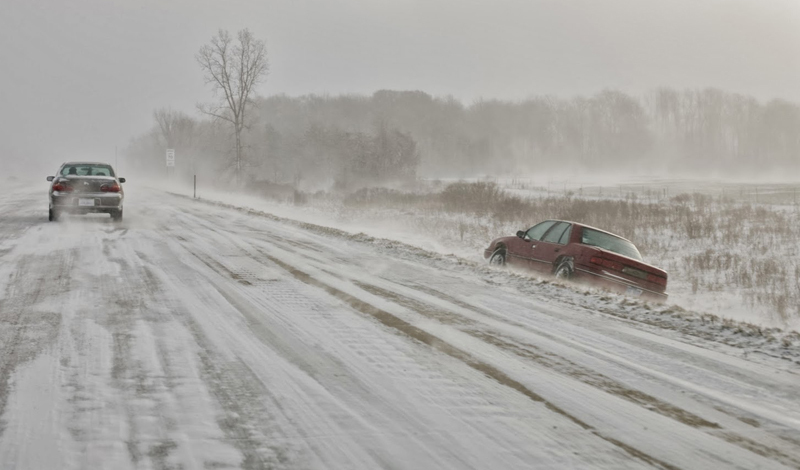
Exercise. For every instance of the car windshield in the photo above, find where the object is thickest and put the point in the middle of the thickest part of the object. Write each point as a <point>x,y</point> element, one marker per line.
<point>87,169</point>
<point>610,242</point>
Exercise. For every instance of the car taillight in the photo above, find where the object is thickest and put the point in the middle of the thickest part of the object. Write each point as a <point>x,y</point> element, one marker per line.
<point>62,187</point>
<point>662,281</point>
<point>110,188</point>
<point>606,263</point>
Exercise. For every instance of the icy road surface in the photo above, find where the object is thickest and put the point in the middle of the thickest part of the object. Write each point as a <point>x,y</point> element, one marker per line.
<point>192,336</point>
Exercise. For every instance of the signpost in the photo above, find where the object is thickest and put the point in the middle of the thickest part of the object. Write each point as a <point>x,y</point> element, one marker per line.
<point>170,163</point>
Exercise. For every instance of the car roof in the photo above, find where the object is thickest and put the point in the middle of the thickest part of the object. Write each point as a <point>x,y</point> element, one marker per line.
<point>85,163</point>
<point>592,228</point>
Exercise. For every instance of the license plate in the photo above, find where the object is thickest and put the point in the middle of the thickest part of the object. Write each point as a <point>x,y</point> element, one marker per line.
<point>633,291</point>
<point>86,202</point>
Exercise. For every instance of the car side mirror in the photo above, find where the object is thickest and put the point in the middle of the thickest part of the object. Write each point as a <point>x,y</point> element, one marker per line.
<point>51,178</point>
<point>122,180</point>
<point>521,234</point>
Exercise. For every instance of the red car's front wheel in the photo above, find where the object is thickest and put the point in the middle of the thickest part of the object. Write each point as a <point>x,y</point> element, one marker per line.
<point>498,258</point>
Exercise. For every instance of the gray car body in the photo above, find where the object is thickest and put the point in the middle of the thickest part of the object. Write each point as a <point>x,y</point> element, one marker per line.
<point>86,188</point>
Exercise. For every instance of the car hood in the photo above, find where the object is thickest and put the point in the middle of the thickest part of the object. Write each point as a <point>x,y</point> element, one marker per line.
<point>503,240</point>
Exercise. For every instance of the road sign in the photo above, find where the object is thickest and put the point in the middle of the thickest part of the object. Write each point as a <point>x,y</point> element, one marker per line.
<point>170,157</point>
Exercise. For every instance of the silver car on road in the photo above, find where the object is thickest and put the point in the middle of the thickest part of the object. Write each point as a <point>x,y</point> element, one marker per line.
<point>86,187</point>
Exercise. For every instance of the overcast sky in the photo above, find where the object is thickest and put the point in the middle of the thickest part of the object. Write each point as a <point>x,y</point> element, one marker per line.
<point>81,76</point>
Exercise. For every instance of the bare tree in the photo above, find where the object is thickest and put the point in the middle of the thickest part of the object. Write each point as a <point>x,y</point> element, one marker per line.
<point>233,69</point>
<point>176,128</point>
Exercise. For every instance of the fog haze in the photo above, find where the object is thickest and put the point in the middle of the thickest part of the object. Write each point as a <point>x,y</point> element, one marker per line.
<point>81,77</point>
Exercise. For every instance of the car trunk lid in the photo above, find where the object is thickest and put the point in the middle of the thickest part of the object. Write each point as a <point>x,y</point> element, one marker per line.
<point>89,184</point>
<point>632,270</point>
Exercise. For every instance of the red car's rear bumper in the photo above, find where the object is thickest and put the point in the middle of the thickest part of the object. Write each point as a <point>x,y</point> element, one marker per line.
<point>617,284</point>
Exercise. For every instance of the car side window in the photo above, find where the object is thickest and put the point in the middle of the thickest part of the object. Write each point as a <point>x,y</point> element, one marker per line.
<point>555,233</point>
<point>536,232</point>
<point>565,237</point>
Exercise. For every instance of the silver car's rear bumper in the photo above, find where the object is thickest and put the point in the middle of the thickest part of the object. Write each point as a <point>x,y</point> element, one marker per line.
<point>86,202</point>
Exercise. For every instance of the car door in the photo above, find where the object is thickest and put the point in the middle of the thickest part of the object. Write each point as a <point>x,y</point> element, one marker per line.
<point>520,250</point>
<point>549,248</point>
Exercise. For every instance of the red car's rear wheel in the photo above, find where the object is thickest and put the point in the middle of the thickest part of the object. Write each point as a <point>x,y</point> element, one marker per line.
<point>564,271</point>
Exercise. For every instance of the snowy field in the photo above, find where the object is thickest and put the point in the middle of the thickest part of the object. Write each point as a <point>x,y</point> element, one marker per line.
<point>733,253</point>
<point>199,335</point>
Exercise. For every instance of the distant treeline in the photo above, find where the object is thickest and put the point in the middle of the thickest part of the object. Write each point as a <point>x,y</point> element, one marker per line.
<point>396,135</point>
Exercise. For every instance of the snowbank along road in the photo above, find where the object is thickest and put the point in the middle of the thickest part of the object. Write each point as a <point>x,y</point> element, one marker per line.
<point>195,336</point>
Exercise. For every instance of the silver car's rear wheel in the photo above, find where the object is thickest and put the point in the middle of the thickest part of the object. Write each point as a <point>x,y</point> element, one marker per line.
<point>53,215</point>
<point>116,216</point>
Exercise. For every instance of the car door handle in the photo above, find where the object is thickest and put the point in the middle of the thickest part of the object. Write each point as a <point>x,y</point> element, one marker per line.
<point>557,250</point>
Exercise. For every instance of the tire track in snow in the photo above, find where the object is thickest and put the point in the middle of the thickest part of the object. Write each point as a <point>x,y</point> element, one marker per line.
<point>705,361</point>
<point>126,365</point>
<point>26,328</point>
<point>141,385</point>
<point>562,365</point>
<point>246,419</point>
<point>430,340</point>
<point>546,359</point>
<point>323,368</point>
<point>110,358</point>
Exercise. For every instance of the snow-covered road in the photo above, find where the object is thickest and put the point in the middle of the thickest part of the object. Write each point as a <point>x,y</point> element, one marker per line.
<point>193,336</point>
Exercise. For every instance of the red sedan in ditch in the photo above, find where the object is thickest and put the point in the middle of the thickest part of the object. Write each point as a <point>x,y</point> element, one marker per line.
<point>570,250</point>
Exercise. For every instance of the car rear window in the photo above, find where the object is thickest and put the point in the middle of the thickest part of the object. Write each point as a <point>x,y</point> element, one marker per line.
<point>610,242</point>
<point>87,170</point>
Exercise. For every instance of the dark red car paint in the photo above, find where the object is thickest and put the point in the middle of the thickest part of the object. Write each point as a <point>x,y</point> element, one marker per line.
<point>592,264</point>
